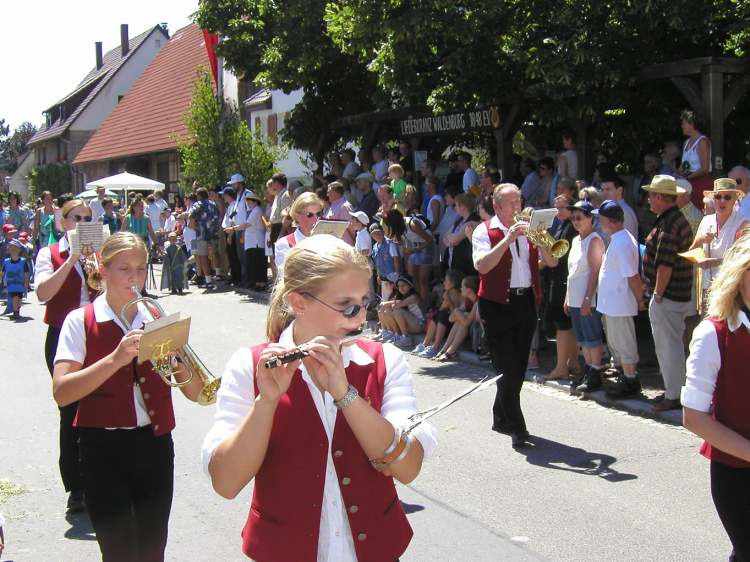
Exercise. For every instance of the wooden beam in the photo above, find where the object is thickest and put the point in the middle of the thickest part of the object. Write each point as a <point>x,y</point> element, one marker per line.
<point>687,67</point>
<point>735,93</point>
<point>692,94</point>
<point>713,99</point>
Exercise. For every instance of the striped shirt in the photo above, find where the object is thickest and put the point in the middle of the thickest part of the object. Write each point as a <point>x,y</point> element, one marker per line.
<point>671,234</point>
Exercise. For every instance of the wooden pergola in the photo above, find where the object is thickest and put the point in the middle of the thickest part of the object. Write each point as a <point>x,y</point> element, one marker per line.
<point>712,86</point>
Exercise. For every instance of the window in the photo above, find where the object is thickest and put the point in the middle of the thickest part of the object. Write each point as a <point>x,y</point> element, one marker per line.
<point>157,43</point>
<point>119,98</point>
<point>272,129</point>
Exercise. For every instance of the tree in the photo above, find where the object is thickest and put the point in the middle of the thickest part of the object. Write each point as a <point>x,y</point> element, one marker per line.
<point>55,178</point>
<point>283,45</point>
<point>13,146</point>
<point>220,143</point>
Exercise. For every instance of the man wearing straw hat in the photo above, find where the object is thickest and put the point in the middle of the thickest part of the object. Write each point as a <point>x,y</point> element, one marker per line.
<point>669,279</point>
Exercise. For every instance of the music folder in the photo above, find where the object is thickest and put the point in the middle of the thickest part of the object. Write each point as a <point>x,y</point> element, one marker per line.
<point>335,228</point>
<point>163,336</point>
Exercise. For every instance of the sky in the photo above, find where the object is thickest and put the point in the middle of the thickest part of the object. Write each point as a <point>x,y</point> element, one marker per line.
<point>48,45</point>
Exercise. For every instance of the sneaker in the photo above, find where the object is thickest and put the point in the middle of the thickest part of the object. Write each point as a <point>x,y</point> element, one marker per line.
<point>430,352</point>
<point>419,349</point>
<point>624,387</point>
<point>387,336</point>
<point>592,380</point>
<point>403,341</point>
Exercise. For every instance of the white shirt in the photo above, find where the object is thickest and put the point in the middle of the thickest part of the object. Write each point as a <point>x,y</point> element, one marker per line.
<point>255,233</point>
<point>228,220</point>
<point>520,272</point>
<point>170,224</point>
<point>620,262</point>
<point>470,178</point>
<point>744,208</point>
<point>429,214</point>
<point>153,211</point>
<point>363,242</point>
<point>351,171</point>
<point>719,245</point>
<point>236,396</point>
<point>43,268</point>
<point>704,362</point>
<point>578,270</point>
<point>72,344</point>
<point>188,235</point>
<point>97,210</point>
<point>631,219</point>
<point>282,247</point>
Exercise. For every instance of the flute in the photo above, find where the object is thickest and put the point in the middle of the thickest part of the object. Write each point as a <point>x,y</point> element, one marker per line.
<point>302,351</point>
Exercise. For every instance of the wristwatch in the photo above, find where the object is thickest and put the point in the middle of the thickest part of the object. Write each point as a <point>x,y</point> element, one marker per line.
<point>351,394</point>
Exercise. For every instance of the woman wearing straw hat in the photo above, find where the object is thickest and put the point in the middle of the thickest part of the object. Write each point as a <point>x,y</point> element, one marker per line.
<point>716,390</point>
<point>717,232</point>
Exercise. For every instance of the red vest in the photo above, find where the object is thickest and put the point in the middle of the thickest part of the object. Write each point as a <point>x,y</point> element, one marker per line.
<point>284,519</point>
<point>495,284</point>
<point>113,403</point>
<point>732,389</point>
<point>68,298</point>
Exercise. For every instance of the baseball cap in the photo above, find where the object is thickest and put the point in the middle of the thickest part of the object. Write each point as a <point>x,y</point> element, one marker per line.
<point>228,190</point>
<point>361,216</point>
<point>582,205</point>
<point>9,229</point>
<point>611,210</point>
<point>236,178</point>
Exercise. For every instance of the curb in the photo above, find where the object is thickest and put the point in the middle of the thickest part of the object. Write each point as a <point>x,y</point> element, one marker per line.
<point>632,406</point>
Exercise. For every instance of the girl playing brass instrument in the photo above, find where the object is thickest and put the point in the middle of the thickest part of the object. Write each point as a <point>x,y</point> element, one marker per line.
<point>320,436</point>
<point>124,416</point>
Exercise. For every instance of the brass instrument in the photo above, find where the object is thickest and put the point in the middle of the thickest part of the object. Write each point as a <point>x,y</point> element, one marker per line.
<point>163,363</point>
<point>541,238</point>
<point>91,266</point>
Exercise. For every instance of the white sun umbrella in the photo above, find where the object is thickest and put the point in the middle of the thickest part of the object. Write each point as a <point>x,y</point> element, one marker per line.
<point>126,182</point>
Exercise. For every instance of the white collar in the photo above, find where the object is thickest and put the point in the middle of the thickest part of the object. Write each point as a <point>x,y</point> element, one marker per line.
<point>348,354</point>
<point>299,236</point>
<point>64,245</point>
<point>737,320</point>
<point>495,223</point>
<point>104,313</point>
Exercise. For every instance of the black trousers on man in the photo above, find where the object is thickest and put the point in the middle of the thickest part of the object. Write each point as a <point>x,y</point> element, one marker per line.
<point>509,329</point>
<point>70,470</point>
<point>235,267</point>
<point>129,482</point>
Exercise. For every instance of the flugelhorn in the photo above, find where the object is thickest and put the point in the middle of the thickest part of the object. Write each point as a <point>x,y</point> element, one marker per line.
<point>163,365</point>
<point>541,238</point>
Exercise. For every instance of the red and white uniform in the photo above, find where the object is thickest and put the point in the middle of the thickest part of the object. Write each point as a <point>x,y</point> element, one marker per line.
<point>283,245</point>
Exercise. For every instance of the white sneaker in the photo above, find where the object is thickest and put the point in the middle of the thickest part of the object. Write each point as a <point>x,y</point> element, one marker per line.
<point>403,341</point>
<point>388,336</point>
<point>430,352</point>
<point>419,349</point>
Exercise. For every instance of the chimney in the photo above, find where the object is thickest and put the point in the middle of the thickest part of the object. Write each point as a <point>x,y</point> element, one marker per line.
<point>165,28</point>
<point>124,40</point>
<point>99,58</point>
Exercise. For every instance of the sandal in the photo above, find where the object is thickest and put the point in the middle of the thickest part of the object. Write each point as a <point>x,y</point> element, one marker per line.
<point>446,357</point>
<point>552,376</point>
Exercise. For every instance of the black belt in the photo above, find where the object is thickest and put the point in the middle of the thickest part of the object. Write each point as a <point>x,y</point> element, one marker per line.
<point>519,292</point>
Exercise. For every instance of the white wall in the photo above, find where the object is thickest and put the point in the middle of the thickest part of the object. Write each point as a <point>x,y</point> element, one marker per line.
<point>282,103</point>
<point>19,181</point>
<point>119,84</point>
<point>230,87</point>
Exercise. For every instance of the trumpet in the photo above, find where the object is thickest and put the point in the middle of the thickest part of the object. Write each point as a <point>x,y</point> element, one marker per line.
<point>541,238</point>
<point>163,365</point>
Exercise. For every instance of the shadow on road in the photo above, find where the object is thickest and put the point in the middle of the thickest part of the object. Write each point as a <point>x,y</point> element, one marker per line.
<point>411,507</point>
<point>558,456</point>
<point>460,371</point>
<point>80,527</point>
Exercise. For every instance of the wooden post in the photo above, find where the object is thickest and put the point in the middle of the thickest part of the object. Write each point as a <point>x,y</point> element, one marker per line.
<point>713,100</point>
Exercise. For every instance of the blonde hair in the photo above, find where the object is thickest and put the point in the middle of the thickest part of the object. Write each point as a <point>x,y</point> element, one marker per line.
<point>396,168</point>
<point>592,195</point>
<point>308,268</point>
<point>72,204</point>
<point>725,298</point>
<point>306,199</point>
<point>116,244</point>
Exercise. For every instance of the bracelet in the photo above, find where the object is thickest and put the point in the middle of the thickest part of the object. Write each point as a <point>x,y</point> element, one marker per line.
<point>394,443</point>
<point>351,394</point>
<point>394,453</point>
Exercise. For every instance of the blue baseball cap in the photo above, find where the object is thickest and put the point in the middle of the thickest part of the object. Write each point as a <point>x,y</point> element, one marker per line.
<point>583,206</point>
<point>228,190</point>
<point>611,210</point>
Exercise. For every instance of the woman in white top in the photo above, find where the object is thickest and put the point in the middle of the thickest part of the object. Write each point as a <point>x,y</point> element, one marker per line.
<point>305,211</point>
<point>255,242</point>
<point>584,261</point>
<point>567,161</point>
<point>717,232</point>
<point>299,428</point>
<point>696,157</point>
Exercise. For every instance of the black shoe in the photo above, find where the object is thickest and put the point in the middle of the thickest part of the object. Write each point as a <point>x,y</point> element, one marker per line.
<point>519,440</point>
<point>577,380</point>
<point>501,429</point>
<point>592,380</point>
<point>75,503</point>
<point>624,387</point>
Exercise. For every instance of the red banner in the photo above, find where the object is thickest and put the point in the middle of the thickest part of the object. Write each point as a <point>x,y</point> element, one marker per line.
<point>211,40</point>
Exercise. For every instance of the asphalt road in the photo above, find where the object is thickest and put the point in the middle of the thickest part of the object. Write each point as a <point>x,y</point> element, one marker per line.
<point>597,484</point>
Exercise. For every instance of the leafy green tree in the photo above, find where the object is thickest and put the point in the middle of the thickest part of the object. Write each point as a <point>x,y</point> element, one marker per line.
<point>55,177</point>
<point>12,146</point>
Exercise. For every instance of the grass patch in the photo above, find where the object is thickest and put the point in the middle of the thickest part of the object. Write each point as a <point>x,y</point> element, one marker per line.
<point>8,490</point>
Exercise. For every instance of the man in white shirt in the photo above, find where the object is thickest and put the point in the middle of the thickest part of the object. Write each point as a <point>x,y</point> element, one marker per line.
<point>613,189</point>
<point>153,211</point>
<point>620,295</point>
<point>470,178</point>
<point>97,208</point>
<point>741,175</point>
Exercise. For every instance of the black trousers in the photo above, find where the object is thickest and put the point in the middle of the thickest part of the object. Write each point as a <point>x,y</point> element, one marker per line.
<point>235,267</point>
<point>128,481</point>
<point>70,470</point>
<point>509,329</point>
<point>730,489</point>
<point>256,265</point>
<point>239,250</point>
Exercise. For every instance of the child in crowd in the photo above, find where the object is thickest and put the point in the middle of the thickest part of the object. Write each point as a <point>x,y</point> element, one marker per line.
<point>398,184</point>
<point>401,317</point>
<point>387,258</point>
<point>441,324</point>
<point>465,321</point>
<point>173,274</point>
<point>358,229</point>
<point>16,274</point>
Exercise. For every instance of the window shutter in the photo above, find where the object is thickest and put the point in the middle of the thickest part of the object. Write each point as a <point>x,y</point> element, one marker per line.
<point>272,129</point>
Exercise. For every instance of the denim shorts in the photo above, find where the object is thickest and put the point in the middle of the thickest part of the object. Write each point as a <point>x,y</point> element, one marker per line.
<point>423,256</point>
<point>588,329</point>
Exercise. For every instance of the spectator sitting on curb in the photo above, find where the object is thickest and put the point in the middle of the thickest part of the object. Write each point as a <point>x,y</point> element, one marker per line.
<point>440,324</point>
<point>401,317</point>
<point>465,321</point>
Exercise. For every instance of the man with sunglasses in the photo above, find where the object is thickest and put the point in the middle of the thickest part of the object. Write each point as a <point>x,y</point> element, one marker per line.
<point>741,176</point>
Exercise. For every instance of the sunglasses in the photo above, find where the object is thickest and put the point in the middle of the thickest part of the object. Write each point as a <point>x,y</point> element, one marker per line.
<point>720,197</point>
<point>79,218</point>
<point>310,214</point>
<point>350,311</point>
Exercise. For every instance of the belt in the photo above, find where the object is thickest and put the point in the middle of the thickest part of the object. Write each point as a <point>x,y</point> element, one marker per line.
<point>519,292</point>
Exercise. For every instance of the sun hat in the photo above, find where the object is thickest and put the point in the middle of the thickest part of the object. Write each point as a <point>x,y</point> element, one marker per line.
<point>725,185</point>
<point>251,195</point>
<point>665,185</point>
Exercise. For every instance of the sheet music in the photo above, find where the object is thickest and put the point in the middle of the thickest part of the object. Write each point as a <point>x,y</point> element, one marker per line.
<point>541,219</point>
<point>89,236</point>
<point>335,228</point>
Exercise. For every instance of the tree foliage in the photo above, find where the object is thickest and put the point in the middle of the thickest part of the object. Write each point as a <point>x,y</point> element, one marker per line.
<point>282,44</point>
<point>219,142</point>
<point>13,146</point>
<point>55,177</point>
